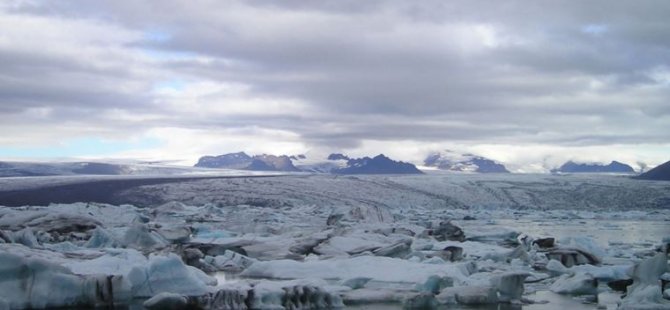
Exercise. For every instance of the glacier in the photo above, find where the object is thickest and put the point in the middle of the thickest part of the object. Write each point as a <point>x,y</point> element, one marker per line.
<point>317,241</point>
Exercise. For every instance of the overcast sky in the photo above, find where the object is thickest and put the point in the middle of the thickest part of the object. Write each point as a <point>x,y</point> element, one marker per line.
<point>528,83</point>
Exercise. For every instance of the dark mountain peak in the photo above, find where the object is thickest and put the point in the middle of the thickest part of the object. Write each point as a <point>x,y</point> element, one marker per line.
<point>574,167</point>
<point>660,173</point>
<point>379,164</point>
<point>242,161</point>
<point>237,160</point>
<point>277,163</point>
<point>381,157</point>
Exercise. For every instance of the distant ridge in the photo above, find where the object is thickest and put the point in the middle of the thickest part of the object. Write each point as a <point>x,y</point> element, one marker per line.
<point>22,169</point>
<point>660,173</point>
<point>613,167</point>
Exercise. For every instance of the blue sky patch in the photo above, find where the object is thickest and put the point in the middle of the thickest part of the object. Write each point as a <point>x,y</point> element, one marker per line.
<point>81,147</point>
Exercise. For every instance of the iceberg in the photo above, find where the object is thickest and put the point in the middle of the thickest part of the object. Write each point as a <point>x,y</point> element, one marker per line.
<point>37,283</point>
<point>373,267</point>
<point>645,292</point>
<point>576,284</point>
<point>166,274</point>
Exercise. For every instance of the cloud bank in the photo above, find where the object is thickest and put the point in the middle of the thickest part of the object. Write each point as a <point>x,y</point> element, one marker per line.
<point>531,84</point>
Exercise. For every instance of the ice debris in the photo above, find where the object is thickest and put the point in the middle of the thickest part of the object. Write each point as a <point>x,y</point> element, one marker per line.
<point>167,301</point>
<point>510,285</point>
<point>230,261</point>
<point>576,284</point>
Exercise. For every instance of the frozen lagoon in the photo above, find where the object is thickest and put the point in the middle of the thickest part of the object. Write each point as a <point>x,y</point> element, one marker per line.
<point>314,231</point>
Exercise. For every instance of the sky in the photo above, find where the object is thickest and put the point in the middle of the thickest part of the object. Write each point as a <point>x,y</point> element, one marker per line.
<point>531,84</point>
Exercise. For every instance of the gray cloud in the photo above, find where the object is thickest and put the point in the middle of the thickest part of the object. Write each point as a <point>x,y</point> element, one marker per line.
<point>478,72</point>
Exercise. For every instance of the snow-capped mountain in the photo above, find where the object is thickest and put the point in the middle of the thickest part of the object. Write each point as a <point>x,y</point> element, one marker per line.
<point>452,161</point>
<point>242,161</point>
<point>661,172</point>
<point>338,163</point>
<point>379,164</point>
<point>613,167</point>
<point>319,164</point>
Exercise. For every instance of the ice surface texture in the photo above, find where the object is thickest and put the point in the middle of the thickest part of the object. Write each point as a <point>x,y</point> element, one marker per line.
<point>320,241</point>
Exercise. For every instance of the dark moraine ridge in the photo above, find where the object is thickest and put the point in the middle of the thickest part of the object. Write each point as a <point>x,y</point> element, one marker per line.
<point>101,191</point>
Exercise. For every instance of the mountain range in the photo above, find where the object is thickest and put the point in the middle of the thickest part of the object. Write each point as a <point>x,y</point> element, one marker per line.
<point>335,163</point>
